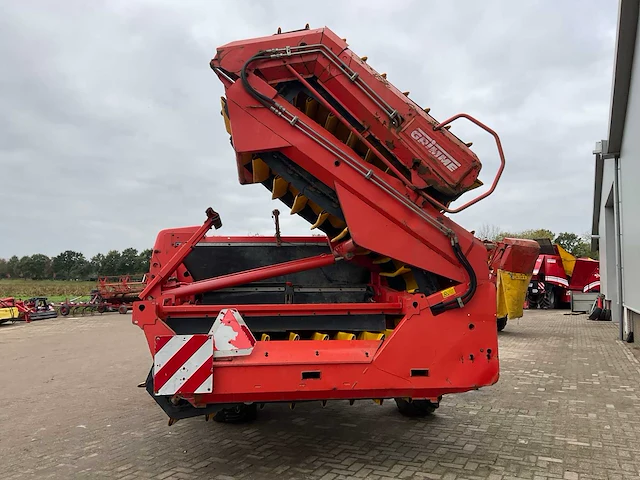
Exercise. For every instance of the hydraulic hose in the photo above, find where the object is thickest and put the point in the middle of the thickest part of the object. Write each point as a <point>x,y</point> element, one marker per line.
<point>459,302</point>
<point>266,101</point>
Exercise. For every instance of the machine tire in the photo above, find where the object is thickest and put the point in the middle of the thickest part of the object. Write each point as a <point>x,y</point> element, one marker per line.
<point>64,310</point>
<point>416,408</point>
<point>123,309</point>
<point>549,300</point>
<point>595,313</point>
<point>101,308</point>
<point>605,315</point>
<point>502,322</point>
<point>241,413</point>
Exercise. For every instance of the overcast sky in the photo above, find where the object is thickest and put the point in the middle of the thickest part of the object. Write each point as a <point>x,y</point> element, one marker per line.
<point>110,126</point>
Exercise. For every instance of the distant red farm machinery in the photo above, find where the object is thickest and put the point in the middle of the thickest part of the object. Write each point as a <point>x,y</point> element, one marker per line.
<point>118,292</point>
<point>112,293</point>
<point>36,308</point>
<point>558,274</point>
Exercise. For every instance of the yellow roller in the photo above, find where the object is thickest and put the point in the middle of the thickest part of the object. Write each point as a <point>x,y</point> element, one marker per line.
<point>476,184</point>
<point>315,208</point>
<point>294,336</point>
<point>321,115</point>
<point>352,140</point>
<point>280,187</point>
<point>227,123</point>
<point>294,191</point>
<point>322,217</point>
<point>341,235</point>
<point>388,332</point>
<point>381,260</point>
<point>265,337</point>
<point>400,271</point>
<point>331,123</point>
<point>336,222</point>
<point>369,156</point>
<point>410,282</point>
<point>378,401</point>
<point>299,202</point>
<point>342,132</point>
<point>310,107</point>
<point>261,170</point>
<point>370,336</point>
<point>245,158</point>
<point>320,336</point>
<point>344,336</point>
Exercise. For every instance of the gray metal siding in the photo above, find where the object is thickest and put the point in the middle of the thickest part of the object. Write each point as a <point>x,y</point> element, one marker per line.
<point>607,227</point>
<point>630,191</point>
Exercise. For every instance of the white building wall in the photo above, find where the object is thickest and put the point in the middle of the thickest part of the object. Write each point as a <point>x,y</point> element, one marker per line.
<point>607,229</point>
<point>630,192</point>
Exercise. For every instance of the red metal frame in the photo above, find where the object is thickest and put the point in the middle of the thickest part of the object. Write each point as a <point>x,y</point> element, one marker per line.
<point>119,286</point>
<point>448,338</point>
<point>462,356</point>
<point>512,255</point>
<point>494,184</point>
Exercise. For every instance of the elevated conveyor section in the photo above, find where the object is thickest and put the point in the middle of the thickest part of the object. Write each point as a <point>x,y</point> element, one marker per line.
<point>396,302</point>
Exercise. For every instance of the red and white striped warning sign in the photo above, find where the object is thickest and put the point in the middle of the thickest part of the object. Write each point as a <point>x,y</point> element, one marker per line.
<point>183,364</point>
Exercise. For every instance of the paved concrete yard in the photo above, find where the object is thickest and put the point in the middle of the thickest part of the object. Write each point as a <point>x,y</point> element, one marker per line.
<point>566,407</point>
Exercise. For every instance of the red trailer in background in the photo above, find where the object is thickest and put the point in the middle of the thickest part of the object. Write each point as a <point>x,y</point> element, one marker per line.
<point>111,293</point>
<point>117,292</point>
<point>36,308</point>
<point>557,273</point>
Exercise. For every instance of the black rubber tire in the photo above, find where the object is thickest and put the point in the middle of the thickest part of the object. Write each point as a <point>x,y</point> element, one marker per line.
<point>415,408</point>
<point>64,310</point>
<point>502,322</point>
<point>602,315</point>
<point>607,316</point>
<point>549,301</point>
<point>595,313</point>
<point>241,413</point>
<point>123,309</point>
<point>101,308</point>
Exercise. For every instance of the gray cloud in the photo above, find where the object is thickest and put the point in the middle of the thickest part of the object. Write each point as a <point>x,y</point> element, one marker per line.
<point>111,128</point>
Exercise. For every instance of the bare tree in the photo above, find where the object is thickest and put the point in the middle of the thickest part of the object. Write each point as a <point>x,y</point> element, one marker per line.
<point>488,232</point>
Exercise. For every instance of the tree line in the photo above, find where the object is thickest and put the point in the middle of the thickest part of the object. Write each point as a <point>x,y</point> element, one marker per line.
<point>70,265</point>
<point>576,245</point>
